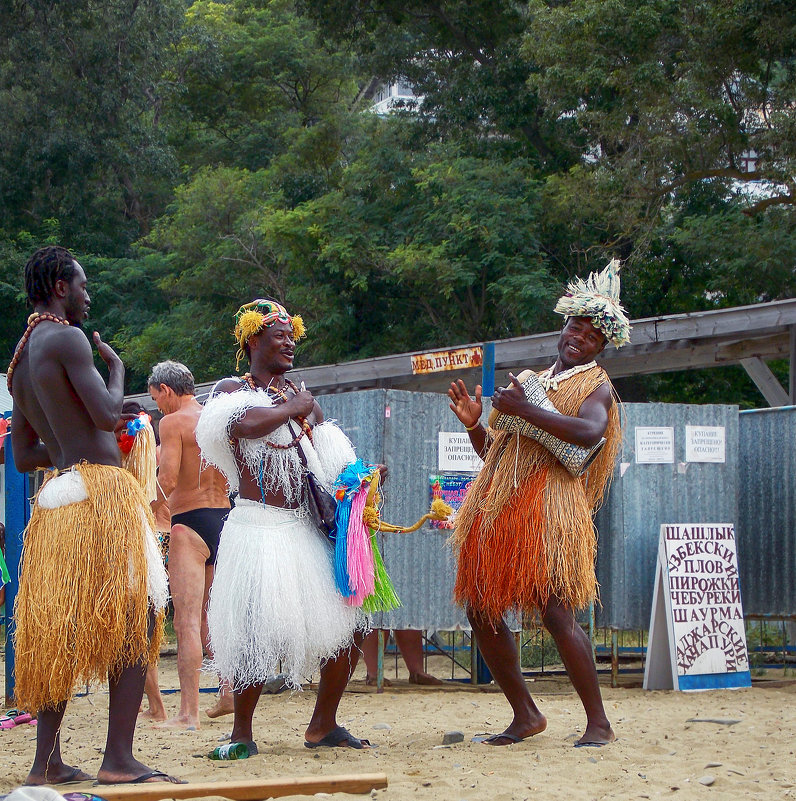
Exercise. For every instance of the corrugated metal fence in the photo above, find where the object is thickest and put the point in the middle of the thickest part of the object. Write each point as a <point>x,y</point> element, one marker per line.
<point>767,510</point>
<point>643,496</point>
<point>754,488</point>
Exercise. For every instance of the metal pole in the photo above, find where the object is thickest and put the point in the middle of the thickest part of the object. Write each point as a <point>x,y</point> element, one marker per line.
<point>488,370</point>
<point>17,516</point>
<point>614,658</point>
<point>380,662</point>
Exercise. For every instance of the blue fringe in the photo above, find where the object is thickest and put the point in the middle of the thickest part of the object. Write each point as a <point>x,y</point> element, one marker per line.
<point>351,480</point>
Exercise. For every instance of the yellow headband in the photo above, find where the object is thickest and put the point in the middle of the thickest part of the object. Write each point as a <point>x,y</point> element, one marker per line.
<point>252,317</point>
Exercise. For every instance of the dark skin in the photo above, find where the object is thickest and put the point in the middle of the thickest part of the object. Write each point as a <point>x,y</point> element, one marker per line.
<point>64,413</point>
<point>271,354</point>
<point>579,343</point>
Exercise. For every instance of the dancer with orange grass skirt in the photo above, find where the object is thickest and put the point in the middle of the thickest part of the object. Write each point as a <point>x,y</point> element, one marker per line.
<point>524,535</point>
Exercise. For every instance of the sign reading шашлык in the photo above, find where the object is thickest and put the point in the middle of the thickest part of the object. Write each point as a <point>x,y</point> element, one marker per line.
<point>697,636</point>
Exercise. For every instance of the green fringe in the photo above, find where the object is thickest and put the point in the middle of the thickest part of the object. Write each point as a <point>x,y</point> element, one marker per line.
<point>384,598</point>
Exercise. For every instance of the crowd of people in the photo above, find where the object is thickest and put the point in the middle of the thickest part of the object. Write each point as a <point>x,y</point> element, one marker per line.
<point>251,583</point>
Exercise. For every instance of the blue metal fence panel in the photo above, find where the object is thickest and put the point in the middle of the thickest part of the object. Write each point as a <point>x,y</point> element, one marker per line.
<point>402,429</point>
<point>643,496</point>
<point>17,508</point>
<point>767,510</point>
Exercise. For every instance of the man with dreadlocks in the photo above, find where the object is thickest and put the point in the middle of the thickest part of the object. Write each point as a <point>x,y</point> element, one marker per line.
<point>525,537</point>
<point>91,529</point>
<point>274,601</point>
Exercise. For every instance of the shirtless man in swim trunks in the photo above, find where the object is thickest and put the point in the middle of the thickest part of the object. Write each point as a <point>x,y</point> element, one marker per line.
<point>199,504</point>
<point>64,416</point>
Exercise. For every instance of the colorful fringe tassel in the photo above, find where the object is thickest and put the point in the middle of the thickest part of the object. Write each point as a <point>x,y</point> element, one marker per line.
<point>138,448</point>
<point>359,571</point>
<point>384,597</point>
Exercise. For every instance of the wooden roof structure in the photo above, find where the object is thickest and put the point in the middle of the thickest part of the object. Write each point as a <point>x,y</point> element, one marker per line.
<point>744,335</point>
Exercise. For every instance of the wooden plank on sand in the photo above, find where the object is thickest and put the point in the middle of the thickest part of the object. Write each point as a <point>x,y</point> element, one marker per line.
<point>248,789</point>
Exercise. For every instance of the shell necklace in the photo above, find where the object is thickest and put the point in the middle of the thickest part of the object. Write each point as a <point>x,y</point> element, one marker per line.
<point>550,381</point>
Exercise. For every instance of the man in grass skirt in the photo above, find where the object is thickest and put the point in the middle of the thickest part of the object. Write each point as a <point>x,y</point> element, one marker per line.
<point>274,606</point>
<point>524,536</point>
<point>92,589</point>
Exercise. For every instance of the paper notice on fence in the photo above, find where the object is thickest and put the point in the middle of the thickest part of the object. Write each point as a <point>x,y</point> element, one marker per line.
<point>654,445</point>
<point>456,453</point>
<point>704,444</point>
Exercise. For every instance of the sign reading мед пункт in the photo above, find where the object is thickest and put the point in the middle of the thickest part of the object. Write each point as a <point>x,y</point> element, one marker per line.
<point>697,639</point>
<point>454,359</point>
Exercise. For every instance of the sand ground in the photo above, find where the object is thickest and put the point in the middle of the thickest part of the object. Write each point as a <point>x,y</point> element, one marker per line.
<point>669,743</point>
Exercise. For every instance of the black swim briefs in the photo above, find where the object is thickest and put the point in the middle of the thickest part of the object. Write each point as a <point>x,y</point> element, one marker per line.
<point>207,523</point>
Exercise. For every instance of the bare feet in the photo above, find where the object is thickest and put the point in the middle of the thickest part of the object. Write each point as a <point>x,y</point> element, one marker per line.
<point>180,722</point>
<point>224,705</point>
<point>155,715</point>
<point>596,736</point>
<point>372,681</point>
<point>517,731</point>
<point>62,774</point>
<point>425,679</point>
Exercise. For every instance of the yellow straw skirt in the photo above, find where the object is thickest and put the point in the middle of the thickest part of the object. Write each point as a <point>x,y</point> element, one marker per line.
<point>86,579</point>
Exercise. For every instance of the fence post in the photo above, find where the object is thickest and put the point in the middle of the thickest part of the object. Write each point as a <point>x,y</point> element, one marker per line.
<point>380,643</point>
<point>488,370</point>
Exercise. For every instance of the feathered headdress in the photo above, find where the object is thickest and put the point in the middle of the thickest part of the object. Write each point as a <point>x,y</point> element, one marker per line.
<point>252,317</point>
<point>598,299</point>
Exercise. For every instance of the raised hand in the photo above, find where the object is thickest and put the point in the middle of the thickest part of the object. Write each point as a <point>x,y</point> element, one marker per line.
<point>106,352</point>
<point>463,406</point>
<point>511,399</point>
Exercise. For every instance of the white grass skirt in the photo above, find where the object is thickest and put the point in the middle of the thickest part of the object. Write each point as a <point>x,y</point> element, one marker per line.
<point>273,605</point>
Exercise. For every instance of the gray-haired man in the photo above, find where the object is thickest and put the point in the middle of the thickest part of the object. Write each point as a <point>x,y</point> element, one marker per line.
<point>199,505</point>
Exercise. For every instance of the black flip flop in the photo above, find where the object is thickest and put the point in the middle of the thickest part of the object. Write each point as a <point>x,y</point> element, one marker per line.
<point>71,779</point>
<point>339,737</point>
<point>145,777</point>
<point>491,739</point>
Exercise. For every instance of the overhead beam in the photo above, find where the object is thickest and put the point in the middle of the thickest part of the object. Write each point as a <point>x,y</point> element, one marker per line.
<point>765,381</point>
<point>660,344</point>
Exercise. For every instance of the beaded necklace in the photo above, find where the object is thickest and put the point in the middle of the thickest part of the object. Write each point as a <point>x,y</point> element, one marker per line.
<point>33,321</point>
<point>279,395</point>
<point>548,380</point>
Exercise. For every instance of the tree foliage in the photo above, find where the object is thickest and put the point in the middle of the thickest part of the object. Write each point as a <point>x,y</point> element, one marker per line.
<point>198,155</point>
<point>82,89</point>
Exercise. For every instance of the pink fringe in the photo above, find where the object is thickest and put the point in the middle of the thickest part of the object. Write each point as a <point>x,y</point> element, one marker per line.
<point>361,572</point>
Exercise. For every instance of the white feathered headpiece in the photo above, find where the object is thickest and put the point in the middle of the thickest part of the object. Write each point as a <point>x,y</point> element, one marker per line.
<point>598,299</point>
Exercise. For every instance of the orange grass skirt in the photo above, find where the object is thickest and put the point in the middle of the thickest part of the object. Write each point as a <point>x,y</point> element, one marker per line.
<point>542,544</point>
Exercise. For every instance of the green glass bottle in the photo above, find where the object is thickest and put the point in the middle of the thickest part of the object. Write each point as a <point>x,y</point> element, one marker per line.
<point>230,751</point>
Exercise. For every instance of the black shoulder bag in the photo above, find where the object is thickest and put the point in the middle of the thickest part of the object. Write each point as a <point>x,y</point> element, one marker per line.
<point>321,504</point>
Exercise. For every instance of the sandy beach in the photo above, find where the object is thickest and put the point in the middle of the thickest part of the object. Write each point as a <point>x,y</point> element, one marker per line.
<point>670,745</point>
